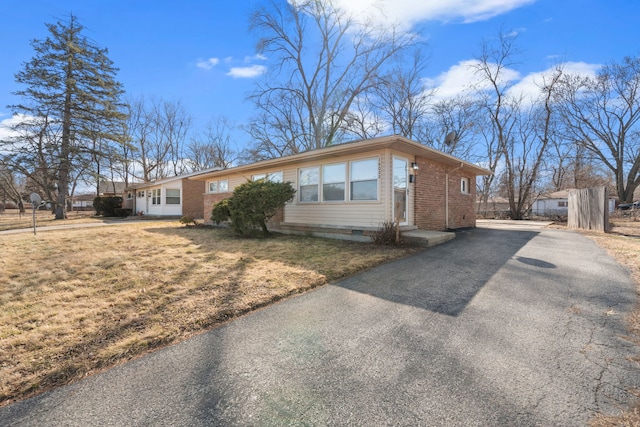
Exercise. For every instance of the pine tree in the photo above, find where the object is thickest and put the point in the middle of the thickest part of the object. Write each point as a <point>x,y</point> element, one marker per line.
<point>71,81</point>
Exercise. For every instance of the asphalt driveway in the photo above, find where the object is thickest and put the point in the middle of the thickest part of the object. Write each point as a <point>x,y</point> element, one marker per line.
<point>513,327</point>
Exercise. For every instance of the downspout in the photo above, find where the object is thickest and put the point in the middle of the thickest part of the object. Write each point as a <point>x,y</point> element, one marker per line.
<point>446,195</point>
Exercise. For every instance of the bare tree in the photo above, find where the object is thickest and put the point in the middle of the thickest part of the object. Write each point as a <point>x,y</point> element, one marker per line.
<point>491,67</point>
<point>11,188</point>
<point>525,153</point>
<point>401,98</point>
<point>456,118</point>
<point>602,115</point>
<point>278,129</point>
<point>363,120</point>
<point>324,61</point>
<point>157,131</point>
<point>171,125</point>
<point>213,147</point>
<point>33,151</point>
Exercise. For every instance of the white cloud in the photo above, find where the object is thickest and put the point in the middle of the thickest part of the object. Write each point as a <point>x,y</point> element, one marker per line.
<point>247,72</point>
<point>207,64</point>
<point>529,86</point>
<point>462,78</point>
<point>256,57</point>
<point>8,123</point>
<point>409,12</point>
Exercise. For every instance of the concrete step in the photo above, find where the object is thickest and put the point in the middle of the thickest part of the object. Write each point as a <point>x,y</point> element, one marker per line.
<point>427,238</point>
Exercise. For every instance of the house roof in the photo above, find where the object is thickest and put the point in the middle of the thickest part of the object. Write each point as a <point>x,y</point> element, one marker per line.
<point>84,197</point>
<point>395,142</point>
<point>157,182</point>
<point>562,194</point>
<point>110,187</point>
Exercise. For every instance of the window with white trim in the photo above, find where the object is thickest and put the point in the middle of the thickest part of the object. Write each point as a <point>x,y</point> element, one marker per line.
<point>156,196</point>
<point>464,185</point>
<point>221,186</point>
<point>271,176</point>
<point>141,194</point>
<point>308,184</point>
<point>172,196</point>
<point>333,182</point>
<point>364,179</point>
<point>275,176</point>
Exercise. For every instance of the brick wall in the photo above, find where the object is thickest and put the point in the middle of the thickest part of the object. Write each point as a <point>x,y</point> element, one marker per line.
<point>430,196</point>
<point>192,198</point>
<point>211,199</point>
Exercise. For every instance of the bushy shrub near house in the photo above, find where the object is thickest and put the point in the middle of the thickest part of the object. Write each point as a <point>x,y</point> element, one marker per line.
<point>107,205</point>
<point>252,205</point>
<point>220,212</point>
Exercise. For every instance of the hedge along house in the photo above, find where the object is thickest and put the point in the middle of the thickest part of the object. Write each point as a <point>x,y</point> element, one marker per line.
<point>350,189</point>
<point>176,196</point>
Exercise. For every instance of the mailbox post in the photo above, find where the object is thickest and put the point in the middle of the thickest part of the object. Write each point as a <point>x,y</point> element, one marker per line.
<point>35,202</point>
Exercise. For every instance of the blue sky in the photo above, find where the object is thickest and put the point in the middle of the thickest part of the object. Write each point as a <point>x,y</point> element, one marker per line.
<point>202,53</point>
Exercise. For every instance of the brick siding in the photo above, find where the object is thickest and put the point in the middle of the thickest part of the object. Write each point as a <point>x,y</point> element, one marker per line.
<point>211,199</point>
<point>192,198</point>
<point>430,196</point>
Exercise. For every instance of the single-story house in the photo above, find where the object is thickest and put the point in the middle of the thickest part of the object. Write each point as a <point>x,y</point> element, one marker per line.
<point>557,203</point>
<point>175,196</point>
<point>351,189</point>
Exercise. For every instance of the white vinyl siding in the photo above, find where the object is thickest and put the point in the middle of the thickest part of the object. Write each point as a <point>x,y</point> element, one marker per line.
<point>347,213</point>
<point>313,208</point>
<point>163,200</point>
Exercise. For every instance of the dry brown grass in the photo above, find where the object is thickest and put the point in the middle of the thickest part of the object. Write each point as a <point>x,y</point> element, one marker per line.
<point>75,301</point>
<point>11,219</point>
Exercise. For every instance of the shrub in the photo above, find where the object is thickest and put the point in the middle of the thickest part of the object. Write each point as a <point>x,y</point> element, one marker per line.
<point>220,212</point>
<point>386,234</point>
<point>254,203</point>
<point>188,221</point>
<point>106,206</point>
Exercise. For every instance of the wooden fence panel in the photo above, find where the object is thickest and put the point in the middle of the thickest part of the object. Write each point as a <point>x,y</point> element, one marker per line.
<point>588,209</point>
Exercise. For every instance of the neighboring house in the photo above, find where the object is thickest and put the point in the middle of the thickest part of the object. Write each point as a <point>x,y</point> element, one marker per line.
<point>351,189</point>
<point>496,207</point>
<point>557,203</point>
<point>111,188</point>
<point>175,196</point>
<point>83,202</point>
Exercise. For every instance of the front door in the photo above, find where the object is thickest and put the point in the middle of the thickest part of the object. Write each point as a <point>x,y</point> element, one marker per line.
<point>400,199</point>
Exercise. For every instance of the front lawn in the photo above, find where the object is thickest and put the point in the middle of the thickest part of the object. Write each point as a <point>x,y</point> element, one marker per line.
<point>76,301</point>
